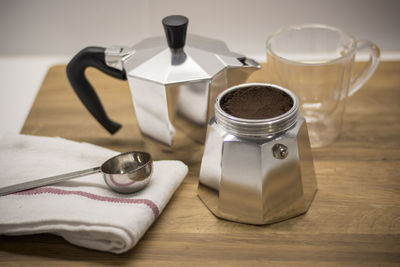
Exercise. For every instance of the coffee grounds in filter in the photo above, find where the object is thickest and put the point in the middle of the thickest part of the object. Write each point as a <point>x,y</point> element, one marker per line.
<point>256,102</point>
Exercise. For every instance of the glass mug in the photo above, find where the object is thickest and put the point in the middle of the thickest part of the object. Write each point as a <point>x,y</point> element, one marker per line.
<point>315,62</point>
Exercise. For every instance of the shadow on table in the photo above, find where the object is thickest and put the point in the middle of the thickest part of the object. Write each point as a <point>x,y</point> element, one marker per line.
<point>55,248</point>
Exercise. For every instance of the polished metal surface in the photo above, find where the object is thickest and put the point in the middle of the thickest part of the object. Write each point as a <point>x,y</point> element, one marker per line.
<point>46,181</point>
<point>280,151</point>
<point>114,55</point>
<point>200,59</point>
<point>261,178</point>
<point>173,90</point>
<point>126,173</point>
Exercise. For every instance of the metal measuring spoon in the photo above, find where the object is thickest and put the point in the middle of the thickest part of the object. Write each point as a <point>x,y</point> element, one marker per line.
<point>126,173</point>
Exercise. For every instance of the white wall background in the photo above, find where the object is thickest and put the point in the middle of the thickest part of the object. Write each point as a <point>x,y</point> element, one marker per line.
<point>62,27</point>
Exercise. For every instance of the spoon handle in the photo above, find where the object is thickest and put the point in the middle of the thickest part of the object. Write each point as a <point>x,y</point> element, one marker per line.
<point>46,181</point>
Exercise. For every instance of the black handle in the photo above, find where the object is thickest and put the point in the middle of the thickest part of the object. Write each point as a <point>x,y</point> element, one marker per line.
<point>175,27</point>
<point>92,57</point>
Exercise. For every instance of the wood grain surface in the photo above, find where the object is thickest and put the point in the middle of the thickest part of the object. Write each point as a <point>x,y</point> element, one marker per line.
<point>354,219</point>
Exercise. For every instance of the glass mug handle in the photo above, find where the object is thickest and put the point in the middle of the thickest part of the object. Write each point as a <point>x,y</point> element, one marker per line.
<point>369,68</point>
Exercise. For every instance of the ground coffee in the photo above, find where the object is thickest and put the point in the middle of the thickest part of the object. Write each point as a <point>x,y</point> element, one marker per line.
<point>256,102</point>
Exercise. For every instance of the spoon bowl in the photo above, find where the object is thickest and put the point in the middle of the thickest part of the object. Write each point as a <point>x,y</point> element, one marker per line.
<point>128,172</point>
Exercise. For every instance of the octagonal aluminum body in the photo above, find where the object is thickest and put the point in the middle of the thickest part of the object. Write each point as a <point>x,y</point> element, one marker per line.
<point>241,180</point>
<point>173,90</point>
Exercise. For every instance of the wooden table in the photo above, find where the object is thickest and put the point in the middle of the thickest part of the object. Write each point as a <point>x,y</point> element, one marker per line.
<point>354,219</point>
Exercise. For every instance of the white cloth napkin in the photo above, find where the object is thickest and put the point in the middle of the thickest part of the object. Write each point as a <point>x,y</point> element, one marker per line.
<point>84,211</point>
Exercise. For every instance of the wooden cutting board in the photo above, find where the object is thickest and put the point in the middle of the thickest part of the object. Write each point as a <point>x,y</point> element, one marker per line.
<point>354,219</point>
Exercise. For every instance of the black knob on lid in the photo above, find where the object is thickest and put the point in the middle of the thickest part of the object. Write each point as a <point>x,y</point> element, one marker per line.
<point>175,29</point>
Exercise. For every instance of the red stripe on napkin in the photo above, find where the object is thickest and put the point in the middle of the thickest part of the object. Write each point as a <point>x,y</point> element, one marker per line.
<point>50,190</point>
